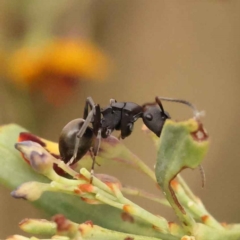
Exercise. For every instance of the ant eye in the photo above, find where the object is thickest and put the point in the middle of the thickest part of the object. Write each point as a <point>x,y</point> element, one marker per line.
<point>149,117</point>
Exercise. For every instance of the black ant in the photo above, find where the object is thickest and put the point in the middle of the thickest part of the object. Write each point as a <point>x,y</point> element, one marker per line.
<point>77,138</point>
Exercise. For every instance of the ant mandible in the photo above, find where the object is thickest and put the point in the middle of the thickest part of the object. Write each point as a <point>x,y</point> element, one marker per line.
<point>77,138</point>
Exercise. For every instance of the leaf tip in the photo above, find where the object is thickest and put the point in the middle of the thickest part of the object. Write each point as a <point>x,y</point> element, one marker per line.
<point>18,194</point>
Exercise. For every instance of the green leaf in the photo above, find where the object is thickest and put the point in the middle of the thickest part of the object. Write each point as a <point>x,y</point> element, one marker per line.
<point>15,171</point>
<point>182,145</point>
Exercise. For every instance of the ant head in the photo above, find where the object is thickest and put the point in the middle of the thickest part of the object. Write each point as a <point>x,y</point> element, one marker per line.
<point>154,116</point>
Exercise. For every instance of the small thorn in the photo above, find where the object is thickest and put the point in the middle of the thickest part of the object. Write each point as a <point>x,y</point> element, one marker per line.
<point>98,163</point>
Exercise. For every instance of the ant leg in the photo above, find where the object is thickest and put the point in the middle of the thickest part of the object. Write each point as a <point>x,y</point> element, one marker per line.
<point>79,135</point>
<point>92,156</point>
<point>95,151</point>
<point>97,142</point>
<point>89,103</point>
<point>97,120</point>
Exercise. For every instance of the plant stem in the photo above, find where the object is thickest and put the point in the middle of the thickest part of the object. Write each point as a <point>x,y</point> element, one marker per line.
<point>144,194</point>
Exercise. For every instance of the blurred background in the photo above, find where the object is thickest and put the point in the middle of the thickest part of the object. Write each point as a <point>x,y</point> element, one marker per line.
<point>56,53</point>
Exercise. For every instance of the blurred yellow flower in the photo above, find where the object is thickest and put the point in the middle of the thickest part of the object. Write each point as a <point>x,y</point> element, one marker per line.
<point>56,67</point>
<point>2,61</point>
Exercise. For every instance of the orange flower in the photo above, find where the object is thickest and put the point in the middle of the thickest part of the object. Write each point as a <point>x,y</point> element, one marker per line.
<point>3,65</point>
<point>57,67</point>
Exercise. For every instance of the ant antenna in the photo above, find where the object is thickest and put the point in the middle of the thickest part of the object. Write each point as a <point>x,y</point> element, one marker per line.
<point>202,175</point>
<point>195,111</point>
<point>159,103</point>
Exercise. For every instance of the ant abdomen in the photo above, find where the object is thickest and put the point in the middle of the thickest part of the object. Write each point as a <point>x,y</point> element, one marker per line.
<point>67,141</point>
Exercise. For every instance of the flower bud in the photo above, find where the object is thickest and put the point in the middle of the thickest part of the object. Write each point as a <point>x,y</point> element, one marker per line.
<point>30,191</point>
<point>40,160</point>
